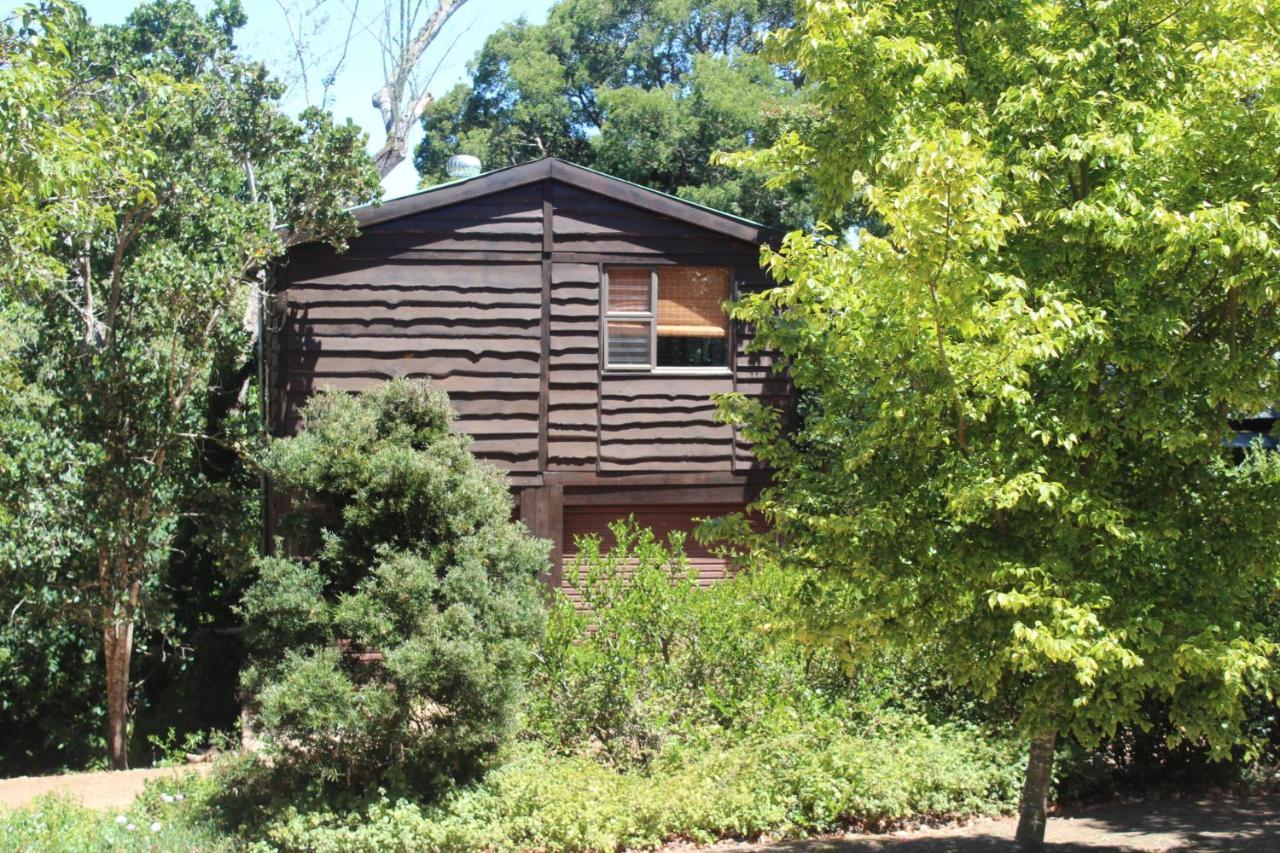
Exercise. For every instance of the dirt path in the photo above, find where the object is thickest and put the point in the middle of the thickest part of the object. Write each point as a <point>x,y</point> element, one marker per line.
<point>96,790</point>
<point>1161,825</point>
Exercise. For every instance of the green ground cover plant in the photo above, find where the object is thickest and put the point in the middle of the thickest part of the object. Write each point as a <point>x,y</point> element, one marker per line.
<point>668,712</point>
<point>170,815</point>
<point>788,781</point>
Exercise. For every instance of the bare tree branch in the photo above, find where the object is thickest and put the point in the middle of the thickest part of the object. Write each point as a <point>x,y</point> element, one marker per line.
<point>305,23</point>
<point>402,100</point>
<point>402,37</point>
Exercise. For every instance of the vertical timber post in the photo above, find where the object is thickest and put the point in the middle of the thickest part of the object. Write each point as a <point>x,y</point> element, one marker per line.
<point>544,379</point>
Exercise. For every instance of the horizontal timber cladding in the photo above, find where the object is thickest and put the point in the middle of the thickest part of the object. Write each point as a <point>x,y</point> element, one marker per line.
<point>755,374</point>
<point>662,519</point>
<point>574,375</point>
<point>466,285</point>
<point>472,329</point>
<point>663,423</point>
<point>588,223</point>
<point>508,221</point>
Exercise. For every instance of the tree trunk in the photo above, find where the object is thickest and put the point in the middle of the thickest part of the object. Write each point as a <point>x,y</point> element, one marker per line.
<point>1035,793</point>
<point>117,652</point>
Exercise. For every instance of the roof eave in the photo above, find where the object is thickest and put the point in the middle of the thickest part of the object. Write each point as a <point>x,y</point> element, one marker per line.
<point>535,171</point>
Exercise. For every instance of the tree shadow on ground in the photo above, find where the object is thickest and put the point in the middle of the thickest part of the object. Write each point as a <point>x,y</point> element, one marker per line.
<point>973,843</point>
<point>1249,825</point>
<point>1228,824</point>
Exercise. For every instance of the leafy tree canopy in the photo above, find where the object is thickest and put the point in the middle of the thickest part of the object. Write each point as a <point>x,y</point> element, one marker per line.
<point>1019,384</point>
<point>645,91</point>
<point>145,167</point>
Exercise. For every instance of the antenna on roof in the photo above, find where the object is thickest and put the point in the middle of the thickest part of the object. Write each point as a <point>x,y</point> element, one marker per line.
<point>462,166</point>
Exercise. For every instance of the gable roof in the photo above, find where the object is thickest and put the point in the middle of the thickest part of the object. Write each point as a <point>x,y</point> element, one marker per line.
<point>554,168</point>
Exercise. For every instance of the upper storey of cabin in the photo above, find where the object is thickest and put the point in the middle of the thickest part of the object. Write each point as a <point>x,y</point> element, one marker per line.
<point>577,321</point>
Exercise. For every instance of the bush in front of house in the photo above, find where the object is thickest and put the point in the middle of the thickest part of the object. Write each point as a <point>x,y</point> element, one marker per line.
<point>654,655</point>
<point>785,781</point>
<point>650,651</point>
<point>392,653</point>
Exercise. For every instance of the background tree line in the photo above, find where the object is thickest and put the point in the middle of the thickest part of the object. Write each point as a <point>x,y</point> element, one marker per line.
<point>644,91</point>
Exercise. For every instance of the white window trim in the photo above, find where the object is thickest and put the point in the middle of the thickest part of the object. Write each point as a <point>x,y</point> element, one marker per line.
<point>651,317</point>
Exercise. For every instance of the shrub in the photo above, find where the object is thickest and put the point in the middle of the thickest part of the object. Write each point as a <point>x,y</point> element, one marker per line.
<point>653,654</point>
<point>785,782</point>
<point>392,652</point>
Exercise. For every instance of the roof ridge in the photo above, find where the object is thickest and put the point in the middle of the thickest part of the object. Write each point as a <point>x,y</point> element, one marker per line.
<point>554,168</point>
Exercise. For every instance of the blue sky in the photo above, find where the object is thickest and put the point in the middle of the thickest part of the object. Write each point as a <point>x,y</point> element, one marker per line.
<point>266,37</point>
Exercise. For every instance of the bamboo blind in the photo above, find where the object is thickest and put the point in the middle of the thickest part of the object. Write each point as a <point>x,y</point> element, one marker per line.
<point>629,289</point>
<point>690,302</point>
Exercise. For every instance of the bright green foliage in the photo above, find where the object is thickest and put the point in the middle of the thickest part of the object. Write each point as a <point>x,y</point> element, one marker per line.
<point>64,159</point>
<point>393,653</point>
<point>644,91</point>
<point>785,782</point>
<point>170,814</point>
<point>1018,381</point>
<point>145,169</point>
<point>654,654</point>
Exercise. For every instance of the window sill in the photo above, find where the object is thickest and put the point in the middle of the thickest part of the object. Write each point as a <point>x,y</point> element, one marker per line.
<point>612,372</point>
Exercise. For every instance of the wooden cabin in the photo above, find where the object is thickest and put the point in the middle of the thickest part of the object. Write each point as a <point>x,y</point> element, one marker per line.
<point>575,321</point>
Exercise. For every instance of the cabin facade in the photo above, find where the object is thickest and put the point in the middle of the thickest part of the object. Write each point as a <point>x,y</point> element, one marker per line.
<point>575,321</point>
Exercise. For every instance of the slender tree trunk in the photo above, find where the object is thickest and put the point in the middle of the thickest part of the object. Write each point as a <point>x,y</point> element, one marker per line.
<point>117,649</point>
<point>1035,793</point>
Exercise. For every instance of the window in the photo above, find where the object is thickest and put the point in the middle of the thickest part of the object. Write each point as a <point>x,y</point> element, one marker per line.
<point>666,318</point>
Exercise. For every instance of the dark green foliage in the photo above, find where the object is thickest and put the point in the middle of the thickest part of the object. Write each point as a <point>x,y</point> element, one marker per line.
<point>145,168</point>
<point>644,91</point>
<point>786,783</point>
<point>672,711</point>
<point>393,651</point>
<point>50,685</point>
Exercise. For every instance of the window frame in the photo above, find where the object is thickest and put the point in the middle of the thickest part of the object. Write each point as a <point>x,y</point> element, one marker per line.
<point>651,317</point>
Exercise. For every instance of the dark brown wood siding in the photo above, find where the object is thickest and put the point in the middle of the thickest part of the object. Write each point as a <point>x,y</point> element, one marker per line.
<point>574,382</point>
<point>422,297</point>
<point>663,422</point>
<point>463,295</point>
<point>587,223</point>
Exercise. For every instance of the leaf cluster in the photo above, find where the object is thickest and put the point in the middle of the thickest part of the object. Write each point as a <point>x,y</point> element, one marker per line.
<point>644,91</point>
<point>143,171</point>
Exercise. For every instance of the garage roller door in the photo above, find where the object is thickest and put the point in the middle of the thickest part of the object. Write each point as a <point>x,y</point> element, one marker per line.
<point>662,519</point>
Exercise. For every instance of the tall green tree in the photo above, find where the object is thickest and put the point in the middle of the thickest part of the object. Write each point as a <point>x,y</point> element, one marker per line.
<point>645,91</point>
<point>149,288</point>
<point>64,161</point>
<point>1018,382</point>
